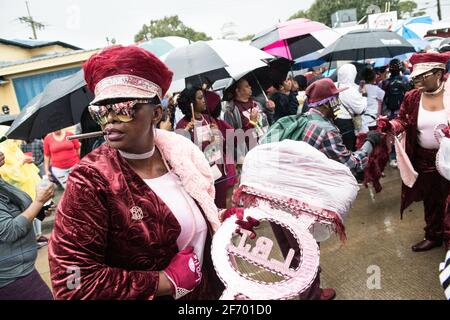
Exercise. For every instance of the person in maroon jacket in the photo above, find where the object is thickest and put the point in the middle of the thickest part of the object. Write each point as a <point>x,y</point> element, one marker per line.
<point>210,134</point>
<point>138,213</point>
<point>423,109</point>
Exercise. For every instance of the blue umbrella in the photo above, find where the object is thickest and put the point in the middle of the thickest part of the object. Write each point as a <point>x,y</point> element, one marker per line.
<point>308,61</point>
<point>414,28</point>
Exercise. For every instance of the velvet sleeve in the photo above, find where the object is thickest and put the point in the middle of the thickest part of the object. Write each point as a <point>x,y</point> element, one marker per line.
<point>79,242</point>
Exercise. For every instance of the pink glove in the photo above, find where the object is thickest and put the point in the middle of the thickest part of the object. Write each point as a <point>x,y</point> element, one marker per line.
<point>246,225</point>
<point>184,272</point>
<point>446,132</point>
<point>384,125</point>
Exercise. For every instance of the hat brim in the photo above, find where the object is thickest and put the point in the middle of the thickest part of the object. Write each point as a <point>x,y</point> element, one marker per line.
<point>122,92</point>
<point>419,69</point>
<point>334,92</point>
<point>339,90</point>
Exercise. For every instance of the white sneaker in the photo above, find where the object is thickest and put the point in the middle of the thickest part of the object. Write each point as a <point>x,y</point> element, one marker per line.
<point>393,163</point>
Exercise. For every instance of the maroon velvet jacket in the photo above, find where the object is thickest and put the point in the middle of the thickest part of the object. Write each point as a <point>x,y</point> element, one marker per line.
<point>407,121</point>
<point>117,257</point>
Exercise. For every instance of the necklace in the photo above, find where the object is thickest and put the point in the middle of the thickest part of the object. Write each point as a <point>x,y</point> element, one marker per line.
<point>137,156</point>
<point>437,91</point>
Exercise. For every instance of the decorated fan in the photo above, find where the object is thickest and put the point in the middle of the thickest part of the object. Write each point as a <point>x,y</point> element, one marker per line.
<point>298,196</point>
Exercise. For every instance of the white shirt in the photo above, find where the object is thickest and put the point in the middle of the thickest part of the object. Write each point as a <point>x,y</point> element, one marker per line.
<point>374,96</point>
<point>193,225</point>
<point>426,123</point>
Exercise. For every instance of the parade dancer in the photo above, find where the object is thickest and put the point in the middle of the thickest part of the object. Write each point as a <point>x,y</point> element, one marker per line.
<point>423,109</point>
<point>137,215</point>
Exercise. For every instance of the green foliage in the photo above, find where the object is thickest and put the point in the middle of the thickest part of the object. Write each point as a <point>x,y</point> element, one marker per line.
<point>321,10</point>
<point>168,26</point>
<point>299,14</point>
<point>247,37</point>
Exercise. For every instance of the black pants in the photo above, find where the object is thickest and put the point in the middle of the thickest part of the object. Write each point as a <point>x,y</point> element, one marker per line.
<point>347,130</point>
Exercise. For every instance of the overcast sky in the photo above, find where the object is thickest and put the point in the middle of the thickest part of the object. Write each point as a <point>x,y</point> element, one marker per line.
<point>86,23</point>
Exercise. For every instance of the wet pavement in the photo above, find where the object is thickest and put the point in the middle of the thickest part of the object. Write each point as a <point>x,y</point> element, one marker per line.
<point>376,261</point>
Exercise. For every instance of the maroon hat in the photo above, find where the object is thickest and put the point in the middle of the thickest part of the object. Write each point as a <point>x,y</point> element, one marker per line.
<point>126,72</point>
<point>322,91</point>
<point>424,62</point>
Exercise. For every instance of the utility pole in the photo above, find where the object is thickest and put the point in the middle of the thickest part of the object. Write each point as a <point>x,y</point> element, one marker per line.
<point>439,9</point>
<point>31,22</point>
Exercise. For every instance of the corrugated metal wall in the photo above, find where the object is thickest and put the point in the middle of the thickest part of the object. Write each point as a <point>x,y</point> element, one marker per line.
<point>28,87</point>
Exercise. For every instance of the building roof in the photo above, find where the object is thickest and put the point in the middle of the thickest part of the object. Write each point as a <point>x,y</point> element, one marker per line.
<point>54,59</point>
<point>4,64</point>
<point>32,44</point>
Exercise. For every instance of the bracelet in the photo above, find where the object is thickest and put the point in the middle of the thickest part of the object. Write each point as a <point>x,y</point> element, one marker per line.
<point>254,123</point>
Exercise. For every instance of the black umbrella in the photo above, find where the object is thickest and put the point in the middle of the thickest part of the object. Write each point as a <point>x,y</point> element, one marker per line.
<point>7,119</point>
<point>262,78</point>
<point>367,44</point>
<point>59,106</point>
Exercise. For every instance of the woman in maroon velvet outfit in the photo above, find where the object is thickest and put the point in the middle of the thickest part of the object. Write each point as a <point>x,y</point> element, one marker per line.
<point>115,236</point>
<point>207,110</point>
<point>422,110</point>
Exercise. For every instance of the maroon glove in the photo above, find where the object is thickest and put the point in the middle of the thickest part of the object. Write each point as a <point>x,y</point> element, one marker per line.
<point>184,272</point>
<point>384,125</point>
<point>247,225</point>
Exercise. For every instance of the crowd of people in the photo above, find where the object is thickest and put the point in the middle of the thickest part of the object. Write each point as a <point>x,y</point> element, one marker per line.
<point>142,204</point>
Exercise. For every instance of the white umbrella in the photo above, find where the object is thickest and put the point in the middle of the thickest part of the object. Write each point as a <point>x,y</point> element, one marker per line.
<point>209,61</point>
<point>162,45</point>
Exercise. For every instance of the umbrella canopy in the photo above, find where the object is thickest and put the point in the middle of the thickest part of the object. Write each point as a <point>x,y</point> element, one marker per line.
<point>262,78</point>
<point>382,62</point>
<point>209,61</point>
<point>295,38</point>
<point>445,41</point>
<point>419,44</point>
<point>308,61</point>
<point>60,105</point>
<point>7,119</point>
<point>414,28</point>
<point>162,45</point>
<point>364,44</point>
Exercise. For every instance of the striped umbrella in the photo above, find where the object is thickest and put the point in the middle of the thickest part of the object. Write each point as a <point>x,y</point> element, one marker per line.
<point>295,38</point>
<point>414,28</point>
<point>160,46</point>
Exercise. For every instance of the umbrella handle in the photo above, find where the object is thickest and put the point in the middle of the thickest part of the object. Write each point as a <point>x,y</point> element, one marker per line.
<point>86,135</point>
<point>193,112</point>
<point>259,84</point>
